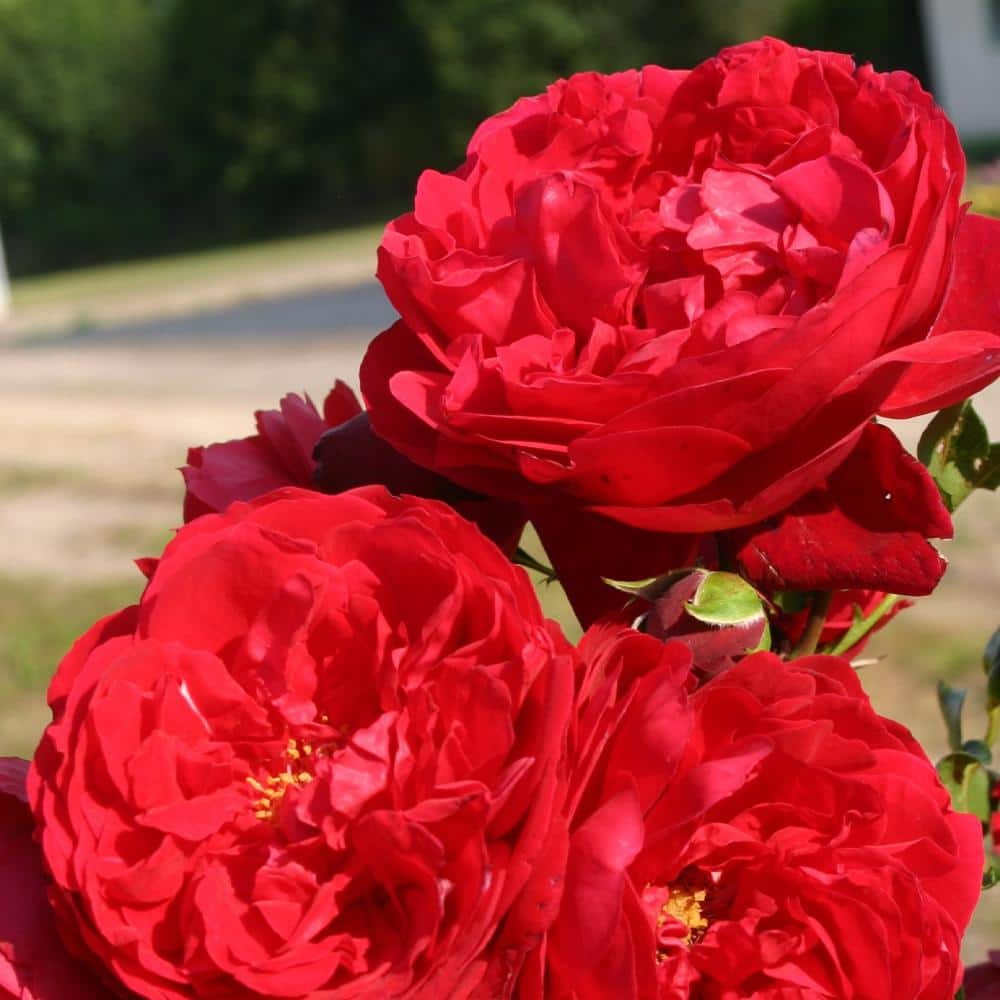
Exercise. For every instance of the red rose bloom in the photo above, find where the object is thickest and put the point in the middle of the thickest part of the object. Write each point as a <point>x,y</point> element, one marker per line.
<point>677,299</point>
<point>315,762</point>
<point>766,835</point>
<point>34,963</point>
<point>279,454</point>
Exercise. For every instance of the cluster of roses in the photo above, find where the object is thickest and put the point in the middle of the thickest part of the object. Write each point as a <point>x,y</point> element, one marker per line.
<point>337,751</point>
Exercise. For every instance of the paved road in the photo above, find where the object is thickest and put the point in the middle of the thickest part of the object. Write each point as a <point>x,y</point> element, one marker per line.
<point>337,311</point>
<point>354,313</point>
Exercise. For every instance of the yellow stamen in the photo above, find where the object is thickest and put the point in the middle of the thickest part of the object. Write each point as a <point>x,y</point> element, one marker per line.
<point>685,905</point>
<point>272,789</point>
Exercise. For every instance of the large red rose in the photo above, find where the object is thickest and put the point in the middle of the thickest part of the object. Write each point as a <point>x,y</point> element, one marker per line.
<point>317,761</point>
<point>677,299</point>
<point>765,835</point>
<point>34,962</point>
<point>296,446</point>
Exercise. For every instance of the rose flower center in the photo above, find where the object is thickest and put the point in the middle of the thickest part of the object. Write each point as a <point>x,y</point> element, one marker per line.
<point>681,912</point>
<point>273,788</point>
<point>297,765</point>
<point>684,905</point>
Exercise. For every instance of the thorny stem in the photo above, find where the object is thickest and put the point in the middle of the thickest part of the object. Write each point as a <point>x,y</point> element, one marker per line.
<point>814,626</point>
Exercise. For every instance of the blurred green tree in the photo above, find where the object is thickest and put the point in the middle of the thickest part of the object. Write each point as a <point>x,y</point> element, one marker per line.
<point>296,112</point>
<point>75,81</point>
<point>139,126</point>
<point>886,33</point>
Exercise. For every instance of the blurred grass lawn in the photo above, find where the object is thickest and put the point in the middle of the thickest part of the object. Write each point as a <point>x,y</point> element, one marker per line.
<point>136,277</point>
<point>39,620</point>
<point>48,305</point>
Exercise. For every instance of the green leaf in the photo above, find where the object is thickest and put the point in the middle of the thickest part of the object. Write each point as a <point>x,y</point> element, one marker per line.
<point>976,792</point>
<point>992,725</point>
<point>960,995</point>
<point>861,626</point>
<point>991,875</point>
<point>951,701</point>
<point>968,783</point>
<point>956,449</point>
<point>725,599</point>
<point>993,688</point>
<point>991,655</point>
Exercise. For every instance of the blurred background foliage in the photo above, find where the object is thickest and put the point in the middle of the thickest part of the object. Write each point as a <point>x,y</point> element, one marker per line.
<point>138,127</point>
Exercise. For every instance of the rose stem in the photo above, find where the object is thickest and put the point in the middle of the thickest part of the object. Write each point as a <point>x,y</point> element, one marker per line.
<point>814,626</point>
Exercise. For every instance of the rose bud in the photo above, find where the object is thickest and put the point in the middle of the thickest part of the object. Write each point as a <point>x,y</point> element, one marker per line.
<point>34,962</point>
<point>673,301</point>
<point>765,834</point>
<point>718,616</point>
<point>319,759</point>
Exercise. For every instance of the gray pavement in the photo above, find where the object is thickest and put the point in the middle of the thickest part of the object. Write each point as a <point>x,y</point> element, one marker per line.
<point>337,311</point>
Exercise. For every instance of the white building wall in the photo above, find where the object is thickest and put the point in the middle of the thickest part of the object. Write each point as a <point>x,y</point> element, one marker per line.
<point>963,44</point>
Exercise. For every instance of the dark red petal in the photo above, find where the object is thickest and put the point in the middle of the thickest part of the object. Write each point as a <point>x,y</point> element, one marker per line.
<point>982,982</point>
<point>352,454</point>
<point>340,404</point>
<point>867,528</point>
<point>34,962</point>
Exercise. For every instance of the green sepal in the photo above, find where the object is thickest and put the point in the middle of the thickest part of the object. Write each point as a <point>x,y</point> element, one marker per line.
<point>978,749</point>
<point>522,557</point>
<point>652,587</point>
<point>861,625</point>
<point>725,599</point>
